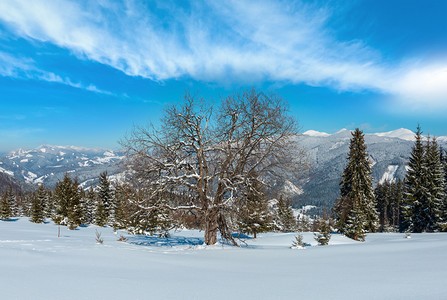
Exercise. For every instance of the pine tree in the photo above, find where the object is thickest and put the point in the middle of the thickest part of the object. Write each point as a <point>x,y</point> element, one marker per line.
<point>355,209</point>
<point>37,205</point>
<point>324,233</point>
<point>435,186</point>
<point>100,213</point>
<point>356,224</point>
<point>254,216</point>
<point>415,187</point>
<point>68,204</point>
<point>443,158</point>
<point>285,220</point>
<point>105,193</point>
<point>5,208</point>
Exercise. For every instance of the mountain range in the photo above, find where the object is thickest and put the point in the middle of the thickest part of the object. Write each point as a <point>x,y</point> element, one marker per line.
<point>388,153</point>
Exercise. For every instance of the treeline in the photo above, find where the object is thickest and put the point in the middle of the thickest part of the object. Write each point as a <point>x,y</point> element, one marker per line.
<point>122,205</point>
<point>416,204</point>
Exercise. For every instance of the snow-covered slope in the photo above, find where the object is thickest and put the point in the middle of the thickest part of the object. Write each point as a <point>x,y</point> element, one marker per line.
<point>36,264</point>
<point>402,133</point>
<point>47,164</point>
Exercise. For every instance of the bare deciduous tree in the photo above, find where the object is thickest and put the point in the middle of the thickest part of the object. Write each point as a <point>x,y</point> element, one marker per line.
<point>215,154</point>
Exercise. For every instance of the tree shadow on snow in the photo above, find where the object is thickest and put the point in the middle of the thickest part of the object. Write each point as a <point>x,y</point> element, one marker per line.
<point>10,220</point>
<point>155,241</point>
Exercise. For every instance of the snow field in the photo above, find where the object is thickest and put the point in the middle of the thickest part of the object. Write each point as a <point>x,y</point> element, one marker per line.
<point>36,264</point>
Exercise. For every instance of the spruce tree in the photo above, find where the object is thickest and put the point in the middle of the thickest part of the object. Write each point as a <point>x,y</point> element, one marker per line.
<point>100,213</point>
<point>415,187</point>
<point>355,209</point>
<point>105,193</point>
<point>285,220</point>
<point>5,208</point>
<point>254,216</point>
<point>37,205</point>
<point>443,158</point>
<point>435,187</point>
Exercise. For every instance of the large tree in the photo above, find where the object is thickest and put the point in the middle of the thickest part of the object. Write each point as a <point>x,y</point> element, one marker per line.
<point>213,153</point>
<point>355,209</point>
<point>424,187</point>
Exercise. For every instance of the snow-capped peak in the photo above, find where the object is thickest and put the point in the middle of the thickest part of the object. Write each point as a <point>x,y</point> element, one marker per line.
<point>315,133</point>
<point>401,133</point>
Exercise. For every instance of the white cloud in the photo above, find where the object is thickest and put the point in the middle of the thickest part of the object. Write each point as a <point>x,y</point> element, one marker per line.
<point>269,40</point>
<point>25,68</point>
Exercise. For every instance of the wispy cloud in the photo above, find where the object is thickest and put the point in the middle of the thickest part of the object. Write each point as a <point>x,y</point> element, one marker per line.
<point>25,68</point>
<point>269,40</point>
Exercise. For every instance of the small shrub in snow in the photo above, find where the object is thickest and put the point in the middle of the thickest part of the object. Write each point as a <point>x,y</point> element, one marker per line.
<point>99,240</point>
<point>298,243</point>
<point>122,239</point>
<point>407,235</point>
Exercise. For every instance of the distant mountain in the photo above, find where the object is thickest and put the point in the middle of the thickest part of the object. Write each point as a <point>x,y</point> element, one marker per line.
<point>7,182</point>
<point>388,153</point>
<point>47,164</point>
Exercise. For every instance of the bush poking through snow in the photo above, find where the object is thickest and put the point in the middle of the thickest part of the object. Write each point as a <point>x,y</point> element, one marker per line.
<point>298,243</point>
<point>99,240</point>
<point>122,238</point>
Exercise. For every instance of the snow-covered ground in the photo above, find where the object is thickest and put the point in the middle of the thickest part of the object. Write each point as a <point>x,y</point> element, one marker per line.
<point>36,264</point>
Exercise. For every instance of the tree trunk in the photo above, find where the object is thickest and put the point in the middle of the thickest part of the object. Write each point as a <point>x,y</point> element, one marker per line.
<point>211,227</point>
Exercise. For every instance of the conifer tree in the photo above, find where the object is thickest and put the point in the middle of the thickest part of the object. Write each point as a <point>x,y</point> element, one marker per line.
<point>254,216</point>
<point>5,208</point>
<point>355,209</point>
<point>100,213</point>
<point>435,187</point>
<point>443,158</point>
<point>285,220</point>
<point>324,233</point>
<point>12,199</point>
<point>37,205</point>
<point>415,187</point>
<point>105,193</point>
<point>68,206</point>
<point>356,224</point>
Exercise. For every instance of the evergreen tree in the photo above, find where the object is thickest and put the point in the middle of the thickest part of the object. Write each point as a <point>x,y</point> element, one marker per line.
<point>100,213</point>
<point>324,233</point>
<point>68,205</point>
<point>443,158</point>
<point>285,220</point>
<point>415,187</point>
<point>5,208</point>
<point>355,209</point>
<point>105,193</point>
<point>254,216</point>
<point>435,186</point>
<point>12,199</point>
<point>37,205</point>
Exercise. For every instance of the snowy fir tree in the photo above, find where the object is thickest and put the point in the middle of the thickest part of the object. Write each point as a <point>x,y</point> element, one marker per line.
<point>5,208</point>
<point>68,205</point>
<point>443,158</point>
<point>285,221</point>
<point>37,212</point>
<point>254,216</point>
<point>324,233</point>
<point>424,188</point>
<point>389,199</point>
<point>100,218</point>
<point>105,193</point>
<point>355,209</point>
<point>435,186</point>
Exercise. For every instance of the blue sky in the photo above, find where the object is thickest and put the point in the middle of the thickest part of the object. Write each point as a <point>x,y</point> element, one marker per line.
<point>83,72</point>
